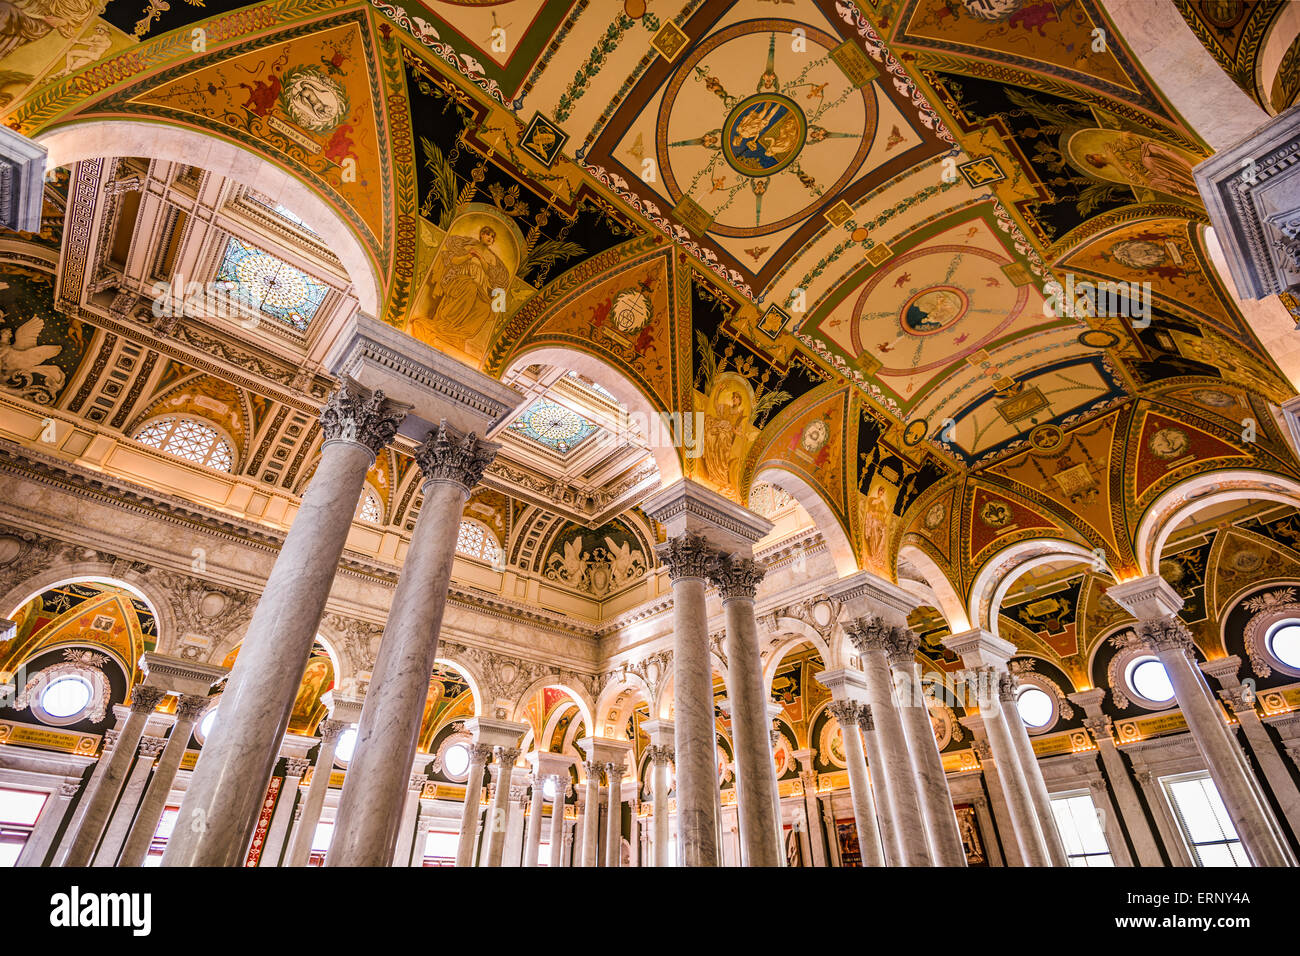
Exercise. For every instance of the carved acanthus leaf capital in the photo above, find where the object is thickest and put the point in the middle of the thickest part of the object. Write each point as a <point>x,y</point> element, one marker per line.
<point>660,754</point>
<point>1167,633</point>
<point>686,556</point>
<point>145,698</point>
<point>451,455</point>
<point>329,730</point>
<point>870,633</point>
<point>845,712</point>
<point>190,707</point>
<point>901,646</point>
<point>736,577</point>
<point>1100,727</point>
<point>296,766</point>
<point>479,754</point>
<point>1008,687</point>
<point>365,418</point>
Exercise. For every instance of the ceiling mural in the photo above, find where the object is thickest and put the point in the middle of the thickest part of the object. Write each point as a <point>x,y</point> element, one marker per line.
<point>1235,32</point>
<point>104,616</point>
<point>449,700</point>
<point>837,237</point>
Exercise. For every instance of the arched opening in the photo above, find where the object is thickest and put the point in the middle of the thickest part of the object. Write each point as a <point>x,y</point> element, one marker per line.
<point>994,582</point>
<point>91,139</point>
<point>832,532</point>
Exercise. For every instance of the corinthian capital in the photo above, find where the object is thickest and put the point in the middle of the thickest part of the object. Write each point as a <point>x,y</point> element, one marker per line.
<point>845,712</point>
<point>145,698</point>
<point>1166,633</point>
<point>480,754</point>
<point>356,415</point>
<point>659,754</point>
<point>735,577</point>
<point>870,633</point>
<point>330,729</point>
<point>451,455</point>
<point>1008,686</point>
<point>686,556</point>
<point>1100,727</point>
<point>191,706</point>
<point>901,645</point>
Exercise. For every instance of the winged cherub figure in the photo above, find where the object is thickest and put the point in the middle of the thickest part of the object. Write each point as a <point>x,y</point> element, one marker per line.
<point>22,362</point>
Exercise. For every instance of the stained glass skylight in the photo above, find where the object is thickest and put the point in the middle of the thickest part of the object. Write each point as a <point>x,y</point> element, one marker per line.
<point>553,425</point>
<point>188,439</point>
<point>270,285</point>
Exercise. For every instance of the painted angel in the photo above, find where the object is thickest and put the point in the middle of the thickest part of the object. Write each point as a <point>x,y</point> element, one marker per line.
<point>21,361</point>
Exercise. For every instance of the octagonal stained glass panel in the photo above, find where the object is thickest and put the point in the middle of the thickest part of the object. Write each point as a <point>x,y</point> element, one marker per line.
<point>552,425</point>
<point>269,285</point>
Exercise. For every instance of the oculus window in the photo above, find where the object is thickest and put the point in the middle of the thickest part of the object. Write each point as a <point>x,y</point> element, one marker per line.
<point>1148,679</point>
<point>1283,642</point>
<point>552,425</point>
<point>270,286</point>
<point>1037,709</point>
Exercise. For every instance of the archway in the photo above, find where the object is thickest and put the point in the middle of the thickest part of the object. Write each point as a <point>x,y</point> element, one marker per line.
<point>72,142</point>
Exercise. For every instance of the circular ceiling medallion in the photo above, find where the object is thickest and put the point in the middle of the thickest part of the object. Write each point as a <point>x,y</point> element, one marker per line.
<point>915,431</point>
<point>1046,437</point>
<point>763,134</point>
<point>933,310</point>
<point>1098,339</point>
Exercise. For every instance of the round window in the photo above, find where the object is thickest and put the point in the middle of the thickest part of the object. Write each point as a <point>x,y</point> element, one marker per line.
<point>1148,679</point>
<point>1284,642</point>
<point>548,788</point>
<point>206,724</point>
<point>346,746</point>
<point>1036,707</point>
<point>66,697</point>
<point>455,760</point>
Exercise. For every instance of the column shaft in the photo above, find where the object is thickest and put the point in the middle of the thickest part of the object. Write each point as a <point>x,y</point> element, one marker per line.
<point>224,796</point>
<point>119,824</point>
<point>659,761</point>
<point>410,814</point>
<point>755,771</point>
<point>1222,754</point>
<point>1121,786</point>
<point>389,730</point>
<point>300,848</point>
<point>614,819</point>
<point>498,822</point>
<point>927,765</point>
<point>41,838</point>
<point>533,847</point>
<point>591,815</point>
<point>1015,789</point>
<point>136,849</point>
<point>687,558</point>
<point>557,824</point>
<point>1038,795</point>
<point>144,699</point>
<point>848,715</point>
<point>478,756</point>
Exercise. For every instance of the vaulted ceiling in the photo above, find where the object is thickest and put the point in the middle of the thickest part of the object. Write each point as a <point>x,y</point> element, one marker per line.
<point>832,233</point>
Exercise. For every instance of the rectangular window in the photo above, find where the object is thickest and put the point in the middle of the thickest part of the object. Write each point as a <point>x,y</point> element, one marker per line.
<point>166,823</point>
<point>320,843</point>
<point>19,810</point>
<point>440,848</point>
<point>1080,828</point>
<point>1204,820</point>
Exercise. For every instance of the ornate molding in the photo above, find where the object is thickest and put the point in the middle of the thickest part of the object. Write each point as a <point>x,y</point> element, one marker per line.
<point>686,556</point>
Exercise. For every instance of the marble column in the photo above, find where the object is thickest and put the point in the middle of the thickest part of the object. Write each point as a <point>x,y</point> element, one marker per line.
<point>661,762</point>
<point>479,754</point>
<point>812,814</point>
<point>1260,834</point>
<point>189,708</point>
<point>96,776</point>
<point>927,766</point>
<point>533,846</point>
<point>410,814</point>
<point>499,814</point>
<point>119,824</point>
<point>687,558</point>
<point>737,579</point>
<point>1015,788</point>
<point>219,812</point>
<point>1008,691</point>
<point>144,700</point>
<point>872,637</point>
<point>591,814</point>
<point>1006,831</point>
<point>1241,699</point>
<point>366,827</point>
<point>419,840</point>
<point>855,719</point>
<point>41,838</point>
<point>283,814</point>
<point>300,848</point>
<point>614,817</point>
<point>513,854</point>
<point>557,821</point>
<point>774,736</point>
<point>1121,784</point>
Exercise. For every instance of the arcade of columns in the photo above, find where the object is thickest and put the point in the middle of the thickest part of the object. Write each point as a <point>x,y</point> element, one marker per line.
<point>900,797</point>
